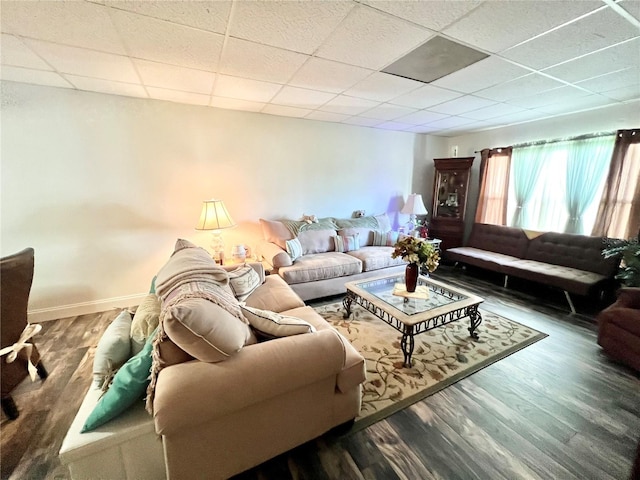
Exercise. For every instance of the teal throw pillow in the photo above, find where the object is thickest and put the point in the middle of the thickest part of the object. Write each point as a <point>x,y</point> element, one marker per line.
<point>153,285</point>
<point>294,248</point>
<point>129,385</point>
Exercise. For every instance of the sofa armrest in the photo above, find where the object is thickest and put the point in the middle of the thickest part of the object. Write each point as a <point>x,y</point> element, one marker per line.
<point>257,266</point>
<point>628,297</point>
<point>189,394</point>
<point>274,255</point>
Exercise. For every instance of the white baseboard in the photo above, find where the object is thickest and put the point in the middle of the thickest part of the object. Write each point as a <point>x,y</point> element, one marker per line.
<point>75,309</point>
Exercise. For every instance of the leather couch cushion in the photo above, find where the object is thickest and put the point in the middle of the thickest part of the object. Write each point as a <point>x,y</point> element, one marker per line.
<point>496,238</point>
<point>310,268</point>
<point>566,278</point>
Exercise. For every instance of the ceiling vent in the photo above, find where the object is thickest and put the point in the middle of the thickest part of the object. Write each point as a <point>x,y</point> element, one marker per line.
<point>434,59</point>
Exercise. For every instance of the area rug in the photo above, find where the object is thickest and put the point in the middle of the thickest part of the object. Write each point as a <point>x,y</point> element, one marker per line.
<point>441,356</point>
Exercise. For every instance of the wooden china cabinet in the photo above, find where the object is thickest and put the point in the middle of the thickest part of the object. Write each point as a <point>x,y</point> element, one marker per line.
<point>450,187</point>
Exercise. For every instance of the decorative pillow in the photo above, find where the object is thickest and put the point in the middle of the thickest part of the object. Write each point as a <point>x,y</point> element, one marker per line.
<point>273,325</point>
<point>346,243</point>
<point>384,223</point>
<point>114,348</point>
<point>365,235</point>
<point>294,248</point>
<point>243,281</point>
<point>206,331</point>
<point>145,321</point>
<point>129,385</point>
<point>387,239</point>
<point>275,232</point>
<point>316,241</point>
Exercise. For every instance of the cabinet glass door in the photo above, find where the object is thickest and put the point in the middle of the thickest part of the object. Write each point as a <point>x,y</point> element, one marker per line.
<point>450,196</point>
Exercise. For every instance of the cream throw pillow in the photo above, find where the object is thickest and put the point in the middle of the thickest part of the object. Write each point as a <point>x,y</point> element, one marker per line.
<point>274,325</point>
<point>243,281</point>
<point>145,321</point>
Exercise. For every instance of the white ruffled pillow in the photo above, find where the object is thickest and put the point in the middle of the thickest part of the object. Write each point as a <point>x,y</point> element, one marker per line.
<point>274,325</point>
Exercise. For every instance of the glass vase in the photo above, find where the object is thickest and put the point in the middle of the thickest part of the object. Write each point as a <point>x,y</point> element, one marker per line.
<point>411,277</point>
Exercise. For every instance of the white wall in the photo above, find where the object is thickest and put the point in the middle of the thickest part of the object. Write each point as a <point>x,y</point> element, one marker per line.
<point>101,186</point>
<point>601,120</point>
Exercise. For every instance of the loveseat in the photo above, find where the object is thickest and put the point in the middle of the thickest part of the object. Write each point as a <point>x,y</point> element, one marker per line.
<point>317,257</point>
<point>216,418</point>
<point>572,263</point>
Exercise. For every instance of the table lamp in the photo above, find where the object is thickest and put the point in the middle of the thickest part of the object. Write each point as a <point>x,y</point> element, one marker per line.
<point>414,206</point>
<point>214,217</point>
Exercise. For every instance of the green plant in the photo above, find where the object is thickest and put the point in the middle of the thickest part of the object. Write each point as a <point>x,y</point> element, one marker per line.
<point>416,250</point>
<point>629,253</point>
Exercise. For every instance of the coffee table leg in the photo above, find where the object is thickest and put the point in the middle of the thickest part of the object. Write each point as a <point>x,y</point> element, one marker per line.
<point>346,302</point>
<point>475,319</point>
<point>407,344</point>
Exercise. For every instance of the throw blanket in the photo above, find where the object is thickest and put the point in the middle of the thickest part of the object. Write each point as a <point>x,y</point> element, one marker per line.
<point>185,277</point>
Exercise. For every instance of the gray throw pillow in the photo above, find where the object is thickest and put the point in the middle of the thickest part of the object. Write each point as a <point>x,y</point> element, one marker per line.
<point>114,348</point>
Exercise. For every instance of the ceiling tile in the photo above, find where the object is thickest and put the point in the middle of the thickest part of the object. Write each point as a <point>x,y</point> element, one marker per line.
<point>245,89</point>
<point>425,96</point>
<point>613,80</point>
<point>624,93</point>
<point>387,111</point>
<point>483,74</point>
<point>522,116</point>
<point>422,129</point>
<point>394,126</point>
<point>434,14</point>
<point>17,54</point>
<point>301,97</point>
<point>450,122</point>
<point>362,121</point>
<point>496,25</point>
<point>36,77</point>
<point>160,41</point>
<point>328,76</point>
<point>371,39</point>
<point>178,97</point>
<point>207,15</point>
<point>106,86</point>
<point>520,87</point>
<point>300,26</point>
<point>461,105</point>
<point>175,78</point>
<point>556,95</point>
<point>285,111</point>
<point>348,105</point>
<point>600,30</point>
<point>420,117</point>
<point>631,6</point>
<point>87,63</point>
<point>327,116</point>
<point>576,104</point>
<point>382,87</point>
<point>492,111</point>
<point>236,104</point>
<point>620,56</point>
<point>260,62</point>
<point>81,24</point>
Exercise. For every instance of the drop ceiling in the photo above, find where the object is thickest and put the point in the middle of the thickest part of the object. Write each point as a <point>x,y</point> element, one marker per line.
<point>324,60</point>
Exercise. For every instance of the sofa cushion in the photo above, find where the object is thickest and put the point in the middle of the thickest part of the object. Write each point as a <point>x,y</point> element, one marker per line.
<point>276,232</point>
<point>497,238</point>
<point>145,321</point>
<point>273,325</point>
<point>481,258</point>
<point>346,243</point>
<point>384,222</point>
<point>206,331</point>
<point>275,295</point>
<point>243,281</point>
<point>365,235</point>
<point>310,268</point>
<point>375,258</point>
<point>316,241</point>
<point>294,248</point>
<point>114,348</point>
<point>364,226</point>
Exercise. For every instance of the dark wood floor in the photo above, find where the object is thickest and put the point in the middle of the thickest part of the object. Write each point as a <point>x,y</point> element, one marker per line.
<point>558,409</point>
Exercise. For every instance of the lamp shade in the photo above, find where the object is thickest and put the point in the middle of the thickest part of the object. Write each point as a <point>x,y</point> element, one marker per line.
<point>214,216</point>
<point>414,205</point>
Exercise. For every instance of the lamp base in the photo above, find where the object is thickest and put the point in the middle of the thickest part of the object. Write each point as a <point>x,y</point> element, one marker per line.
<point>217,247</point>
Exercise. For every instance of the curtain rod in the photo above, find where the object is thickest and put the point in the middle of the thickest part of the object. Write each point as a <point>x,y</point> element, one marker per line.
<point>567,139</point>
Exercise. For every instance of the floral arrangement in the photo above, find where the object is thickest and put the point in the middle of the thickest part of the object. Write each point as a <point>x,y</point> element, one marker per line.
<point>416,250</point>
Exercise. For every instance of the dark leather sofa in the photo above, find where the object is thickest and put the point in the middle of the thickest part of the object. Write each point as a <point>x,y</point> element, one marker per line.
<point>619,328</point>
<point>572,263</point>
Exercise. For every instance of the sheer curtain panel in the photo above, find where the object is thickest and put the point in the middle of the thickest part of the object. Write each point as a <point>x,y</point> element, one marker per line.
<point>495,167</point>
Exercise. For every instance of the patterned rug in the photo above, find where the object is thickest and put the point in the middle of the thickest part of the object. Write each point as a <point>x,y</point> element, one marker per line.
<point>441,356</point>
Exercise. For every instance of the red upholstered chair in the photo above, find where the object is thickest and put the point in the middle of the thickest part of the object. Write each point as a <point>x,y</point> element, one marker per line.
<point>619,328</point>
<point>16,276</point>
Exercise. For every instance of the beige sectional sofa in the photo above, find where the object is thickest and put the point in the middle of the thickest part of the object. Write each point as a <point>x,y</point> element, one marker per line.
<point>216,419</point>
<point>325,263</point>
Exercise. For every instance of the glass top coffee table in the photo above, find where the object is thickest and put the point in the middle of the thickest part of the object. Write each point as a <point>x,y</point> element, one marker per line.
<point>411,316</point>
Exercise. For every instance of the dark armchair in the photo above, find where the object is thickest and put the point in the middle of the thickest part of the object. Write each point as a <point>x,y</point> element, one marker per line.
<point>19,353</point>
<point>619,328</point>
